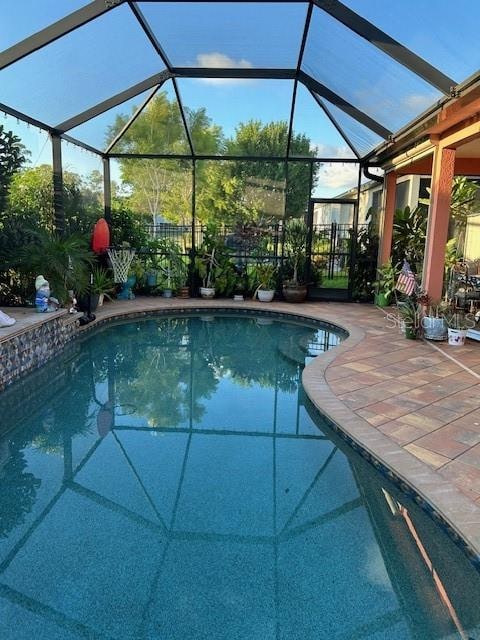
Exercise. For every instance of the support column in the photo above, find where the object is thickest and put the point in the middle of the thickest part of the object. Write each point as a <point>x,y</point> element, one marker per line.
<point>386,230</point>
<point>107,191</point>
<point>58,206</point>
<point>438,219</point>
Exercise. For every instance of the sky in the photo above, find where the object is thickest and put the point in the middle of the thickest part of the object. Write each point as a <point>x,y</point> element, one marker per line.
<point>96,61</point>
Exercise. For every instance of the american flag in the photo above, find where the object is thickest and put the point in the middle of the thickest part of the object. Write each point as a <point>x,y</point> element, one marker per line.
<point>406,280</point>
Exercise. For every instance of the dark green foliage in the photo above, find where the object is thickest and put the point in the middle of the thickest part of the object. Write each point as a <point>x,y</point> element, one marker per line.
<point>409,232</point>
<point>63,261</point>
<point>364,274</point>
<point>127,226</point>
<point>12,156</point>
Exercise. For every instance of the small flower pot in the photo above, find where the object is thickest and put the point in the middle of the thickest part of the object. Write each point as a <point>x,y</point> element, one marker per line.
<point>265,295</point>
<point>382,300</point>
<point>207,292</point>
<point>410,333</point>
<point>456,337</point>
<point>167,293</point>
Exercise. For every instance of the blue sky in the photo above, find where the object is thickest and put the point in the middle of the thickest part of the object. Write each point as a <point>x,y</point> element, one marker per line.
<point>96,61</point>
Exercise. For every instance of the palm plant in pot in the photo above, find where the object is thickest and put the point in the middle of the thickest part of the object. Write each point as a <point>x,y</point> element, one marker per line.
<point>265,274</point>
<point>295,248</point>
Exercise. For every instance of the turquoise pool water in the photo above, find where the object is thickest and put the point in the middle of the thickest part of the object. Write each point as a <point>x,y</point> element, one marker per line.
<point>168,479</point>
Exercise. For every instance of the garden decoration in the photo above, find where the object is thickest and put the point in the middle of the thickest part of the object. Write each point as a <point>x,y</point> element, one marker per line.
<point>6,321</point>
<point>101,236</point>
<point>121,259</point>
<point>44,302</point>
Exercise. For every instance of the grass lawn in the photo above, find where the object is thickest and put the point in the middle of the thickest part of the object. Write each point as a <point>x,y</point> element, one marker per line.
<point>338,282</point>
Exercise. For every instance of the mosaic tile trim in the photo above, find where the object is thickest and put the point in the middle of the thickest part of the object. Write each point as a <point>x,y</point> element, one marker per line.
<point>33,348</point>
<point>405,488</point>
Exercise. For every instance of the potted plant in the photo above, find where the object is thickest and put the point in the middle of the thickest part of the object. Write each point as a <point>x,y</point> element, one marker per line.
<point>295,247</point>
<point>409,312</point>
<point>102,283</point>
<point>265,273</point>
<point>384,286</point>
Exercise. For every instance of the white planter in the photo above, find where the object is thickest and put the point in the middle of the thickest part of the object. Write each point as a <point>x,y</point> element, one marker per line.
<point>207,292</point>
<point>265,295</point>
<point>456,337</point>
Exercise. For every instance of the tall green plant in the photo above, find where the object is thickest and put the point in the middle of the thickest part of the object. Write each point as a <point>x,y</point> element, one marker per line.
<point>64,262</point>
<point>409,233</point>
<point>295,246</point>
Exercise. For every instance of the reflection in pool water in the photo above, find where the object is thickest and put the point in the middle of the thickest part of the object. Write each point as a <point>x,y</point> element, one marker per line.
<point>169,479</point>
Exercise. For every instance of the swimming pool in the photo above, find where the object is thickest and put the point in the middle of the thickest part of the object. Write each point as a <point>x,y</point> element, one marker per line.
<point>168,479</point>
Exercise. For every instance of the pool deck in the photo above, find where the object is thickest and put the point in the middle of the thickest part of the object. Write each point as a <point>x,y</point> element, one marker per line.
<point>414,405</point>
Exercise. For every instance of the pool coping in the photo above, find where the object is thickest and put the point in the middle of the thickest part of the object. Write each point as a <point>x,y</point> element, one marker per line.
<point>451,509</point>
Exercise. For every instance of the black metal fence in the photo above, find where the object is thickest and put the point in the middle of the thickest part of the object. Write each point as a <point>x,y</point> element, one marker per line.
<point>328,264</point>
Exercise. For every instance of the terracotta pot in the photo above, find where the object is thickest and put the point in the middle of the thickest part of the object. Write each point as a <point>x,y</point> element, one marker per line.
<point>294,293</point>
<point>183,292</point>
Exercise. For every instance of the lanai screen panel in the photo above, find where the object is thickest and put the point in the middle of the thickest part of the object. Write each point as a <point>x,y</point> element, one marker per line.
<point>158,129</point>
<point>99,132</point>
<point>443,32</point>
<point>363,75</point>
<point>248,117</point>
<point>313,133</point>
<point>363,139</point>
<point>22,18</point>
<point>81,69</point>
<point>228,34</point>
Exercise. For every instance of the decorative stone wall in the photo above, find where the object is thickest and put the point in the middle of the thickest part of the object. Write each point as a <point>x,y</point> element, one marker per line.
<point>33,347</point>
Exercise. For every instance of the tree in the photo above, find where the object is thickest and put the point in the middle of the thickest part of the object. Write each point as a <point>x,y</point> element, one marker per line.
<point>163,187</point>
<point>254,138</point>
<point>12,156</point>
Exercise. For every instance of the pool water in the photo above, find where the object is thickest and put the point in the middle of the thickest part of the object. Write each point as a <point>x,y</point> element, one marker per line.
<point>168,479</point>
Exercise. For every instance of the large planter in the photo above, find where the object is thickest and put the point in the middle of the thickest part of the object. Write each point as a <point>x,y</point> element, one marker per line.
<point>184,293</point>
<point>434,328</point>
<point>456,337</point>
<point>88,302</point>
<point>294,293</point>
<point>207,292</point>
<point>265,295</point>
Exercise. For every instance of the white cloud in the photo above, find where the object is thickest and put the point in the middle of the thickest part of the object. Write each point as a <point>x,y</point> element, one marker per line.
<point>418,102</point>
<point>332,151</point>
<point>338,176</point>
<point>217,60</point>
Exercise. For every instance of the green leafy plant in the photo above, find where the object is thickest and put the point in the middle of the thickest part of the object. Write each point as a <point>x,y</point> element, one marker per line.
<point>102,281</point>
<point>386,280</point>
<point>409,233</point>
<point>265,274</point>
<point>410,313</point>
